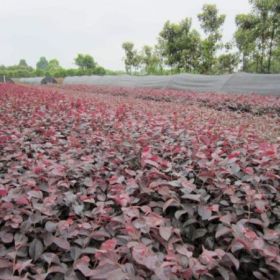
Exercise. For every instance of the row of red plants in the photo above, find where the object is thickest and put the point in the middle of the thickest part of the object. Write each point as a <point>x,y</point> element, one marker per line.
<point>104,186</point>
<point>250,103</point>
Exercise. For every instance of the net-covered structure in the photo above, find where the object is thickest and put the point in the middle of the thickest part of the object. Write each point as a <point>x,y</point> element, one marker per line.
<point>232,83</point>
<point>38,80</point>
<point>5,79</point>
<point>32,81</point>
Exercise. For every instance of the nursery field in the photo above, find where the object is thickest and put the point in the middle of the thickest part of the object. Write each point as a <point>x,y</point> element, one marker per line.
<point>123,184</point>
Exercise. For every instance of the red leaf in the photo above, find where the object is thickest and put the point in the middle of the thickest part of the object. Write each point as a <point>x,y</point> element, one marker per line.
<point>234,260</point>
<point>250,234</point>
<point>6,237</point>
<point>104,271</point>
<point>183,250</point>
<point>21,266</point>
<point>204,212</point>
<point>271,234</point>
<point>61,243</point>
<point>194,197</point>
<point>82,265</point>
<point>22,200</point>
<point>188,185</point>
<point>249,170</point>
<point>153,220</point>
<point>3,192</point>
<point>144,256</point>
<point>222,231</point>
<point>165,232</point>
<point>36,249</point>
<point>50,258</point>
<point>109,245</point>
<point>234,155</point>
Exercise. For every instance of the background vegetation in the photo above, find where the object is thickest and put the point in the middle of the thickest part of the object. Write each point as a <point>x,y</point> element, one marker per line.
<point>86,66</point>
<point>180,48</point>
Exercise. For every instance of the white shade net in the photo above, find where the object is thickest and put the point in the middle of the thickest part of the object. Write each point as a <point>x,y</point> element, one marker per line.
<point>233,83</point>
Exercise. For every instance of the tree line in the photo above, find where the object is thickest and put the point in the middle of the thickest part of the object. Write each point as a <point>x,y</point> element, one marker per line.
<point>85,62</point>
<point>180,48</point>
<point>255,48</point>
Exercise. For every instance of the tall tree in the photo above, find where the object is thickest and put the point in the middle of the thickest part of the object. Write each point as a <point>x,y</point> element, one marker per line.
<point>211,23</point>
<point>85,61</point>
<point>274,33</point>
<point>228,61</point>
<point>132,58</point>
<point>258,35</point>
<point>269,13</point>
<point>54,67</point>
<point>150,60</point>
<point>261,10</point>
<point>245,38</point>
<point>180,45</point>
<point>54,63</point>
<point>42,64</point>
<point>23,64</point>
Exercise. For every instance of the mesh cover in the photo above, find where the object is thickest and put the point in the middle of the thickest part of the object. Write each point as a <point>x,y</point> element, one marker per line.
<point>233,83</point>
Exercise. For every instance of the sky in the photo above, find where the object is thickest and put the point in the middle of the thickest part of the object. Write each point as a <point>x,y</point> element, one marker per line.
<point>62,28</point>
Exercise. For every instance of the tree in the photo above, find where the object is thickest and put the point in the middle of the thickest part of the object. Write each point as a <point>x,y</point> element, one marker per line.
<point>23,64</point>
<point>132,58</point>
<point>168,38</point>
<point>42,64</point>
<point>245,38</point>
<point>274,32</point>
<point>268,15</point>
<point>53,69</point>
<point>228,61</point>
<point>258,36</point>
<point>211,23</point>
<point>150,60</point>
<point>180,45</point>
<point>54,65</point>
<point>85,61</point>
<point>276,61</point>
<point>190,45</point>
<point>210,20</point>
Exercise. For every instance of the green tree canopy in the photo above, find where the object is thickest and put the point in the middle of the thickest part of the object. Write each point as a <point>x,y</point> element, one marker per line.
<point>85,61</point>
<point>210,20</point>
<point>150,60</point>
<point>227,62</point>
<point>258,36</point>
<point>54,65</point>
<point>180,45</point>
<point>132,58</point>
<point>42,64</point>
<point>23,64</point>
<point>245,38</point>
<point>211,23</point>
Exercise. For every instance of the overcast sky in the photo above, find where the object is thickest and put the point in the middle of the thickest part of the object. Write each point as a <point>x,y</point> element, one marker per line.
<point>62,28</point>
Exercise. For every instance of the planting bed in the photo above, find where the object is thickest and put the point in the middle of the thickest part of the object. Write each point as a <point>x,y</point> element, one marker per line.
<point>115,183</point>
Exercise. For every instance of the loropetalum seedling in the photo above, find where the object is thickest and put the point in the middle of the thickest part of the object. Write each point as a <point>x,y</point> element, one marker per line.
<point>119,183</point>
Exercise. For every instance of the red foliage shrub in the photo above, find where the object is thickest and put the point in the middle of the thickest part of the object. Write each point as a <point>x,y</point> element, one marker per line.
<point>99,185</point>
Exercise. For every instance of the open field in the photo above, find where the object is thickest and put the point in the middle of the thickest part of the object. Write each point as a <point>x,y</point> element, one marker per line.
<point>119,183</point>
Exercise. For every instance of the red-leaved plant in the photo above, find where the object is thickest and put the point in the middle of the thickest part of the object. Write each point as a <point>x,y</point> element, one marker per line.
<point>116,183</point>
